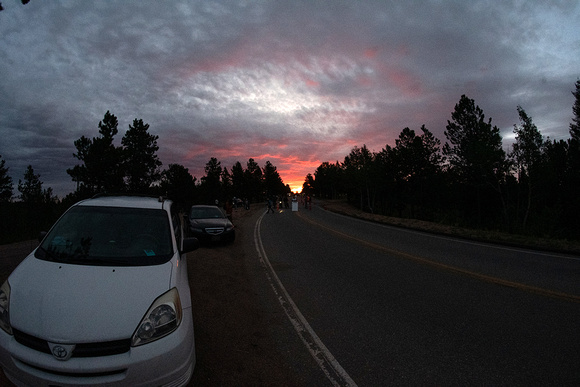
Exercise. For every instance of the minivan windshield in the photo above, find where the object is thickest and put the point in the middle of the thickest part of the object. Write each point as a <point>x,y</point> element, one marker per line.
<point>116,236</point>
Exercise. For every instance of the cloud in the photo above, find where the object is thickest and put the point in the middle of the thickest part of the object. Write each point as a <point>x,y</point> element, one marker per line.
<point>299,82</point>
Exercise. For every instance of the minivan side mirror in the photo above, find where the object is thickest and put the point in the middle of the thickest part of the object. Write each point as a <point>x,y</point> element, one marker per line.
<point>189,244</point>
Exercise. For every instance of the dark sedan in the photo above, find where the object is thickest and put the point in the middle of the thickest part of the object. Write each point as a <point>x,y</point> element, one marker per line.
<point>209,224</point>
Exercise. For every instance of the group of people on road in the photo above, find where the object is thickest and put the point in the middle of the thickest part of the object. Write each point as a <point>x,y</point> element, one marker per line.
<point>232,204</point>
<point>274,203</point>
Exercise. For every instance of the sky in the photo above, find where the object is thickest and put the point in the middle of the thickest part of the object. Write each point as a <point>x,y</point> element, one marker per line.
<point>296,83</point>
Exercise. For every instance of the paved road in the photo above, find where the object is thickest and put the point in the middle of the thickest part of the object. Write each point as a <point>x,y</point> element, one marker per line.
<point>392,307</point>
<point>399,307</point>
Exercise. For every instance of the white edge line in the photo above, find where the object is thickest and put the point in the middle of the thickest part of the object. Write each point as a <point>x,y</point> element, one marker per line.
<point>310,339</point>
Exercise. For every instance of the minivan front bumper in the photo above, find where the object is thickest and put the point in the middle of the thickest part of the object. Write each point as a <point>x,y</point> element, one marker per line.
<point>168,361</point>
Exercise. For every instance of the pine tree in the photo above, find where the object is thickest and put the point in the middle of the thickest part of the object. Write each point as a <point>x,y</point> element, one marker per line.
<point>575,125</point>
<point>477,160</point>
<point>31,188</point>
<point>101,168</point>
<point>527,155</point>
<point>141,164</point>
<point>6,185</point>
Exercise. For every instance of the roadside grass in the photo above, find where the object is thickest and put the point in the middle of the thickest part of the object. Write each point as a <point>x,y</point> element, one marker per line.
<point>516,240</point>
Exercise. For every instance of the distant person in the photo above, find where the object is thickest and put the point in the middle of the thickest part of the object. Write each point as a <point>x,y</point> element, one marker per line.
<point>270,206</point>
<point>229,209</point>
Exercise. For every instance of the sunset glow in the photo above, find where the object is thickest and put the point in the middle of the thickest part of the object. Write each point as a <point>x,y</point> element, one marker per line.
<point>293,83</point>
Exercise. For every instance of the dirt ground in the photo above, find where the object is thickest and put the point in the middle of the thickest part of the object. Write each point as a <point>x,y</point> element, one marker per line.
<point>234,344</point>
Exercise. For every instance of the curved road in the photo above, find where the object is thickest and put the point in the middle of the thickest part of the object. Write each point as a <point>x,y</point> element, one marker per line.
<point>378,305</point>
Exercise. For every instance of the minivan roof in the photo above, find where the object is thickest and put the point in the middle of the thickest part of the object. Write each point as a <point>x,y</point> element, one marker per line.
<point>126,201</point>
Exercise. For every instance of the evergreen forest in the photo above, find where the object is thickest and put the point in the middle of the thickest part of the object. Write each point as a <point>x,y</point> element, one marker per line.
<point>470,180</point>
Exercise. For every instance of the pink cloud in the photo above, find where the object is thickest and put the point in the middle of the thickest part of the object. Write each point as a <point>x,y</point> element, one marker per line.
<point>403,80</point>
<point>371,52</point>
<point>365,81</point>
<point>312,83</point>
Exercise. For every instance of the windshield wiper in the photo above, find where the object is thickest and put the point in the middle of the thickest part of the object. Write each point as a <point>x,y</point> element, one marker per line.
<point>53,256</point>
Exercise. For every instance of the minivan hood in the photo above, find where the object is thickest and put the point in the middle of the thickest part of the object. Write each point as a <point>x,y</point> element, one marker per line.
<point>66,303</point>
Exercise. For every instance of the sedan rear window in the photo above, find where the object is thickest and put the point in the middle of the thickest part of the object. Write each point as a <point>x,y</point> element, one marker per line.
<point>109,236</point>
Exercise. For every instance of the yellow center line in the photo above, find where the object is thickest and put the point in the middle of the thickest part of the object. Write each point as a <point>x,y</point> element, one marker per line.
<point>454,269</point>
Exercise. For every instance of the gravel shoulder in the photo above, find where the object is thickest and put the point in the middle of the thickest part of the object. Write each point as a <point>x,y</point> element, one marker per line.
<point>237,323</point>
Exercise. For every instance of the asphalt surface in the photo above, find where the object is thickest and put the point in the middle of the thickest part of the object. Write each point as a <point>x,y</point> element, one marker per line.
<point>406,308</point>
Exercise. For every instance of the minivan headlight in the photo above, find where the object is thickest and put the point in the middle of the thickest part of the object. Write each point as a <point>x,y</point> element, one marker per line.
<point>162,318</point>
<point>5,307</point>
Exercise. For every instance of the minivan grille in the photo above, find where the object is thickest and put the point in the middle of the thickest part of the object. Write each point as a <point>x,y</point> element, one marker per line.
<point>106,348</point>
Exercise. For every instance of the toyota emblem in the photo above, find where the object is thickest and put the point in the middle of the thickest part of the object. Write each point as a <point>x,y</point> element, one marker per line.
<point>61,351</point>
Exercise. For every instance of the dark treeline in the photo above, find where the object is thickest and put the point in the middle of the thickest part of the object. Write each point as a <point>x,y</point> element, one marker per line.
<point>36,210</point>
<point>470,180</point>
<point>133,167</point>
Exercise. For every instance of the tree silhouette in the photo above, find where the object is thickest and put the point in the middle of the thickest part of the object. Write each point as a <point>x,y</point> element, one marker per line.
<point>102,161</point>
<point>527,155</point>
<point>328,180</point>
<point>178,184</point>
<point>141,164</point>
<point>239,185</point>
<point>415,166</point>
<point>361,175</point>
<point>211,182</point>
<point>6,185</point>
<point>226,184</point>
<point>31,188</point>
<point>273,183</point>
<point>308,185</point>
<point>253,179</point>
<point>572,181</point>
<point>476,158</point>
<point>575,125</point>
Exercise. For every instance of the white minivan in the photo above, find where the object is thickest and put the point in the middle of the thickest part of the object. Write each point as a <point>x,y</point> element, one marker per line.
<point>103,300</point>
